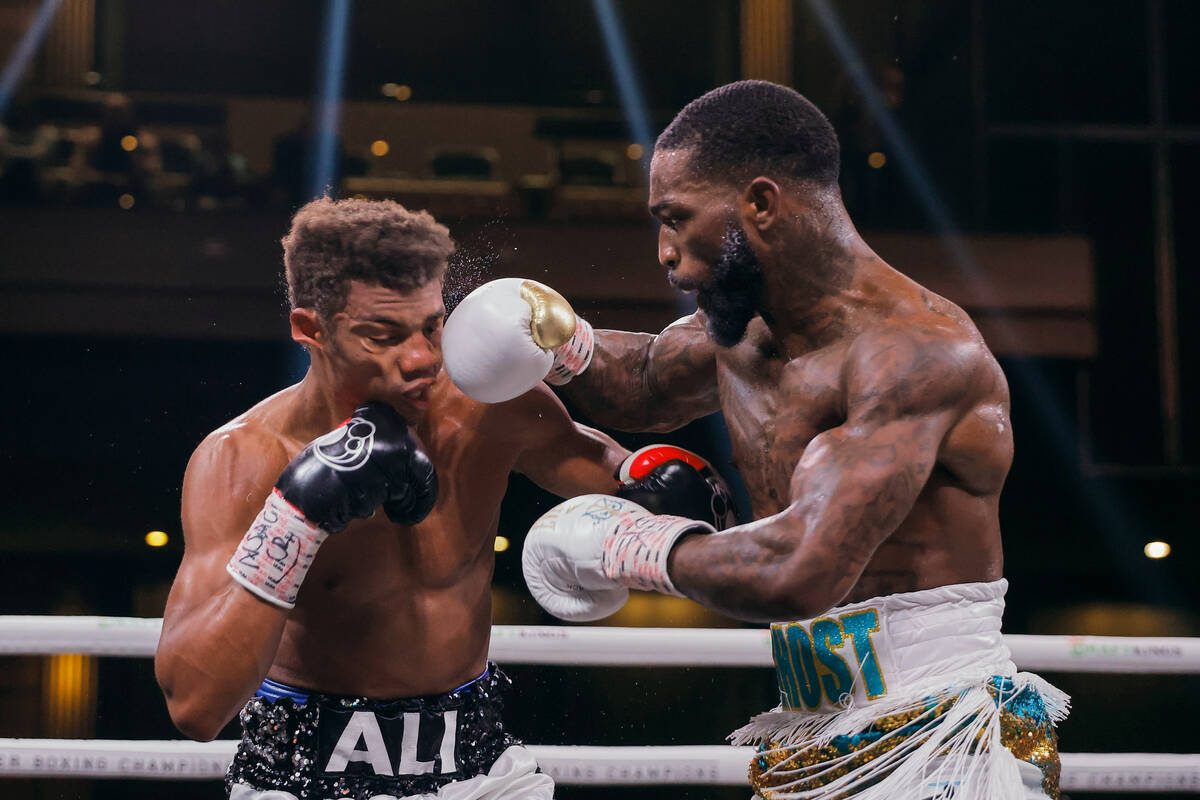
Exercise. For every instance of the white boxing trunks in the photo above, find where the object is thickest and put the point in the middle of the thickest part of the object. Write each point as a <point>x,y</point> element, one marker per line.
<point>911,695</point>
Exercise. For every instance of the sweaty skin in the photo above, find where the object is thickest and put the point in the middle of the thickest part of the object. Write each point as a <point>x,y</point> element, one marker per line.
<point>868,419</point>
<point>386,610</point>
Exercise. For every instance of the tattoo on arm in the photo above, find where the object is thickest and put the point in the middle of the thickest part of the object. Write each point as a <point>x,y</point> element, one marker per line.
<point>849,493</point>
<point>643,382</point>
<point>853,486</point>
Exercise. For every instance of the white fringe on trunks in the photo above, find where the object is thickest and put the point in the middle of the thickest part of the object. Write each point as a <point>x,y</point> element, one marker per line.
<point>933,646</point>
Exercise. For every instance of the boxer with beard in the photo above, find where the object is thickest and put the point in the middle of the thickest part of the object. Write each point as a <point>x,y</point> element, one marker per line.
<point>870,424</point>
<point>731,297</point>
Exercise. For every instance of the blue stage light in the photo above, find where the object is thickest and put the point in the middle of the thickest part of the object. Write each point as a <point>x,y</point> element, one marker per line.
<point>26,49</point>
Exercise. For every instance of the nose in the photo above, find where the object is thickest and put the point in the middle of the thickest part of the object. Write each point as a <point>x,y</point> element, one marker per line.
<point>419,358</point>
<point>668,253</point>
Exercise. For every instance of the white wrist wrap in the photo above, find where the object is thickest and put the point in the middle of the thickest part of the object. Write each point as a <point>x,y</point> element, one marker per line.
<point>573,357</point>
<point>635,554</point>
<point>276,552</point>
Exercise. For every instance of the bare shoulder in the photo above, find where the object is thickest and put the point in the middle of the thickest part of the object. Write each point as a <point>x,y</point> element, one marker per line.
<point>692,325</point>
<point>504,430</point>
<point>492,422</point>
<point>533,421</point>
<point>539,404</point>
<point>933,368</point>
<point>924,360</point>
<point>233,469</point>
<point>686,340</point>
<point>237,452</point>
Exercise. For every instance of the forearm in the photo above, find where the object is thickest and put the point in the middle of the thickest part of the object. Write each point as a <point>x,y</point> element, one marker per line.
<point>625,389</point>
<point>751,572</point>
<point>850,494</point>
<point>584,464</point>
<point>613,390</point>
<point>212,656</point>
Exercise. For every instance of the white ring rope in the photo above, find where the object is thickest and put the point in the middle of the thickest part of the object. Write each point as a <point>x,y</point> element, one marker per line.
<point>709,765</point>
<point>602,646</point>
<point>586,646</point>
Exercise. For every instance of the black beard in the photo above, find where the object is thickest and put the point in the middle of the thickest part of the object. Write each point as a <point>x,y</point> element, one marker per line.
<point>732,297</point>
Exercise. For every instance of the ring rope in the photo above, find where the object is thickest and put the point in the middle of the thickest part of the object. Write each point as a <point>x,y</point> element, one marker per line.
<point>710,765</point>
<point>604,646</point>
<point>595,646</point>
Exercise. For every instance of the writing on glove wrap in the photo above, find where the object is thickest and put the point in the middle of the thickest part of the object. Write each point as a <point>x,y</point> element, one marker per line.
<point>583,556</point>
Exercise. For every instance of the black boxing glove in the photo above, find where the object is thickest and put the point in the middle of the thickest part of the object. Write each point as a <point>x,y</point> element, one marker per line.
<point>369,460</point>
<point>665,479</point>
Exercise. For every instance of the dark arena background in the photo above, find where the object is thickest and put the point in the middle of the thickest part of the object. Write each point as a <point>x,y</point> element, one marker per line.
<point>1036,162</point>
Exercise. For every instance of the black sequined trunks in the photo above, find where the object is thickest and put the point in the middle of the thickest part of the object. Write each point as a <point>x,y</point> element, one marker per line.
<point>319,746</point>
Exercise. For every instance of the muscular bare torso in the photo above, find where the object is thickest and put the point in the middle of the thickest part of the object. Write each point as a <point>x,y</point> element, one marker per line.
<point>391,611</point>
<point>774,407</point>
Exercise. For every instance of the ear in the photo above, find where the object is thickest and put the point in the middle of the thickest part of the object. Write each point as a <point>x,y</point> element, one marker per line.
<point>761,203</point>
<point>306,328</point>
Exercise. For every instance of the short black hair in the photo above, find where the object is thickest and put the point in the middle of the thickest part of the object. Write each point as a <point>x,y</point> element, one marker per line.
<point>749,128</point>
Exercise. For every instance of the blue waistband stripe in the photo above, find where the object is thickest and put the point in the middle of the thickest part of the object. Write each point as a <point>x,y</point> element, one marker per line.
<point>486,671</point>
<point>274,690</point>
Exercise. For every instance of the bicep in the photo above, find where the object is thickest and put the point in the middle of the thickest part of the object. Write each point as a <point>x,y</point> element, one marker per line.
<point>683,367</point>
<point>207,612</point>
<point>853,487</point>
<point>853,471</point>
<point>856,483</point>
<point>223,491</point>
<point>647,382</point>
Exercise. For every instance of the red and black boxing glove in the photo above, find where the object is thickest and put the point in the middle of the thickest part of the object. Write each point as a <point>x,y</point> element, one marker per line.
<point>665,479</point>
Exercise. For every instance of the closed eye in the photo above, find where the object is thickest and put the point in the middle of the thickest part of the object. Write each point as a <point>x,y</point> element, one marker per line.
<point>665,214</point>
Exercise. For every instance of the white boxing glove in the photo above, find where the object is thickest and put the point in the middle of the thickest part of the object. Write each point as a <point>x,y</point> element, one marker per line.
<point>583,556</point>
<point>511,333</point>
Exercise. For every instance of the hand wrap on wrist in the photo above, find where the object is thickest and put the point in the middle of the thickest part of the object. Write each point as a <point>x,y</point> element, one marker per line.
<point>276,552</point>
<point>635,554</point>
<point>574,356</point>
